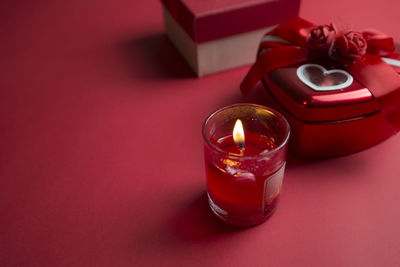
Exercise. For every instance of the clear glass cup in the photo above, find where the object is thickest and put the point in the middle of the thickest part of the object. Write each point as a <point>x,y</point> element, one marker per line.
<point>244,180</point>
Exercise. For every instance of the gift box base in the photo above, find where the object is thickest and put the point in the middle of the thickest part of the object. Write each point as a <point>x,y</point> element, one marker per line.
<point>216,55</point>
<point>330,138</point>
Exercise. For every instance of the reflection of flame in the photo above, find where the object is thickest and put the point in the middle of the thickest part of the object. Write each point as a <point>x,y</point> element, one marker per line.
<point>230,163</point>
<point>238,133</point>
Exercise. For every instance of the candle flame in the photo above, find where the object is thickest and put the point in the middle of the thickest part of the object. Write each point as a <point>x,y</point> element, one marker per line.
<point>238,133</point>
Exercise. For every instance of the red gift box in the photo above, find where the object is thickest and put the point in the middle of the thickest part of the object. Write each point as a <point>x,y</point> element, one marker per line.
<point>217,35</point>
<point>339,90</point>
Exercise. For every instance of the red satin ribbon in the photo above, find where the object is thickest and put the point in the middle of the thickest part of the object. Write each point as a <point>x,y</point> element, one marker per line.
<point>381,79</point>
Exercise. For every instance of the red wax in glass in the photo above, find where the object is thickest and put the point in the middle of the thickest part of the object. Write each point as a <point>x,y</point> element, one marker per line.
<point>237,182</point>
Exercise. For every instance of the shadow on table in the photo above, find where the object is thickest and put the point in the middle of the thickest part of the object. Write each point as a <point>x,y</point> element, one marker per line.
<point>196,222</point>
<point>154,57</point>
<point>341,169</point>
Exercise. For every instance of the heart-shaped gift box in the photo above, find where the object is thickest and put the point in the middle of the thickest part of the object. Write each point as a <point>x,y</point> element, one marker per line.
<point>335,105</point>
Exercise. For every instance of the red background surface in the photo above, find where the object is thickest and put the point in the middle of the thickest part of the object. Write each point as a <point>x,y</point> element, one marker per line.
<point>101,160</point>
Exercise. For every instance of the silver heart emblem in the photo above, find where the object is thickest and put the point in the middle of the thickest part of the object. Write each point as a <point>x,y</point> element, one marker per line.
<point>320,79</point>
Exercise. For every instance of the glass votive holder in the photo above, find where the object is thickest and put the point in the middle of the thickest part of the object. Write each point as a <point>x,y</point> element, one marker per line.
<point>245,154</point>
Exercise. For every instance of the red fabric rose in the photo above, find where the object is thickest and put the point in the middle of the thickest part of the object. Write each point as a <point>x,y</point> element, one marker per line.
<point>348,46</point>
<point>322,37</point>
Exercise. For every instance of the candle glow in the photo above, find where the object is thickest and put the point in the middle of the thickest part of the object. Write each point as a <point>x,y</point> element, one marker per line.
<point>238,133</point>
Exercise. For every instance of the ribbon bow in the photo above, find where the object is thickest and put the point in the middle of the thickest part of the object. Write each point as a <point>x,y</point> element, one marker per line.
<point>368,55</point>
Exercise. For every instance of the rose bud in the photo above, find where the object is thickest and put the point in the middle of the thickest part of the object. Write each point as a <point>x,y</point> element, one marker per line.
<point>350,45</point>
<point>322,37</point>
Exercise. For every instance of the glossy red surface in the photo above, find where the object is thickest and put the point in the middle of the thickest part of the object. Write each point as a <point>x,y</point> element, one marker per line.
<point>331,138</point>
<point>310,105</point>
<point>288,80</point>
<point>101,152</point>
<point>329,123</point>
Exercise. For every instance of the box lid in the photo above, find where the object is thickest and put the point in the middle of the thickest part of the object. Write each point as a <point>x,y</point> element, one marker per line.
<point>206,20</point>
<point>346,101</point>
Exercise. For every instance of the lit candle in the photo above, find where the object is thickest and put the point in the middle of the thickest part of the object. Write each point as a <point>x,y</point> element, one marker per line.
<point>238,133</point>
<point>245,152</point>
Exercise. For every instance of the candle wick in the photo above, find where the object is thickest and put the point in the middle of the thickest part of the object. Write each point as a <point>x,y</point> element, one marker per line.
<point>241,145</point>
